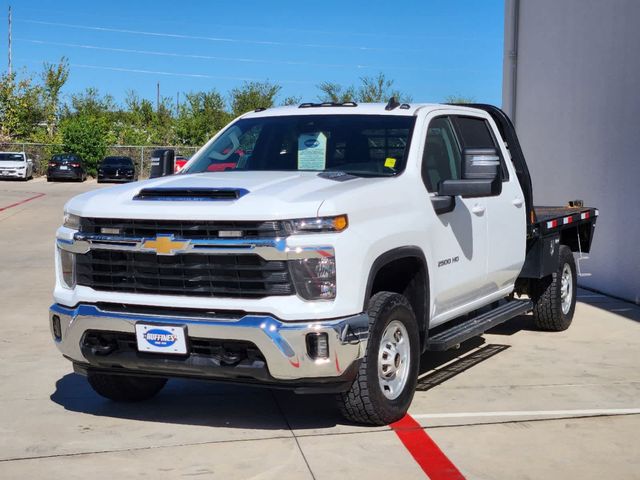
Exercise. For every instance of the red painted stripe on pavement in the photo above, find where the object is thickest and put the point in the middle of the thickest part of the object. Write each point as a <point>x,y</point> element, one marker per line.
<point>425,451</point>
<point>22,201</point>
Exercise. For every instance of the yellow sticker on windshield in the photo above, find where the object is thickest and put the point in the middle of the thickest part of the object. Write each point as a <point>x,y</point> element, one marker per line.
<point>390,162</point>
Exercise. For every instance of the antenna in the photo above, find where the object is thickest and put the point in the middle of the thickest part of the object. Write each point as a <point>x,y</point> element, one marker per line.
<point>10,66</point>
<point>393,103</point>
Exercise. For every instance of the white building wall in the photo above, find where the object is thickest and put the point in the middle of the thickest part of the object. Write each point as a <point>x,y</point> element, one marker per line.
<point>577,113</point>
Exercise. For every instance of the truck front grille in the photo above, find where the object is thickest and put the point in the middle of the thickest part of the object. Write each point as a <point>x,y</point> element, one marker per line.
<point>181,228</point>
<point>245,275</point>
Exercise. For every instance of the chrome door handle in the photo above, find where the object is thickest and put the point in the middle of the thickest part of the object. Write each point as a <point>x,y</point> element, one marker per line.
<point>518,202</point>
<point>478,209</point>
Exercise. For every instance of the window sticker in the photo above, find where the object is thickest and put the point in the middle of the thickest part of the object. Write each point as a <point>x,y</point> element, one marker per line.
<point>312,151</point>
<point>390,162</point>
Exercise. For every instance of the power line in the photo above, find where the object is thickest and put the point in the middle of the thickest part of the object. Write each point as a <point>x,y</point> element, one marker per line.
<point>193,56</point>
<point>217,39</point>
<point>173,74</point>
<point>243,59</point>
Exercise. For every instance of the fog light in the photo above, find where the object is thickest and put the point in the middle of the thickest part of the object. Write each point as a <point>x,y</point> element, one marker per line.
<point>57,329</point>
<point>318,345</point>
<point>68,267</point>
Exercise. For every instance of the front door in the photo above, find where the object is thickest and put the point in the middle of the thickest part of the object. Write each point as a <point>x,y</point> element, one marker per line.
<point>505,213</point>
<point>458,241</point>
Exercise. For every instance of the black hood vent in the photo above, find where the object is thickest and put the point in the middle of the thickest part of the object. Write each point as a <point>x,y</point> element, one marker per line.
<point>190,194</point>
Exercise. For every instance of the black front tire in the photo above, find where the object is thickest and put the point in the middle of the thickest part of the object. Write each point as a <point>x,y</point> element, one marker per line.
<point>123,388</point>
<point>365,401</point>
<point>547,295</point>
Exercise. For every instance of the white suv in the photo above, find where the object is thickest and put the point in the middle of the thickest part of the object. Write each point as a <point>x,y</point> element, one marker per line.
<point>15,165</point>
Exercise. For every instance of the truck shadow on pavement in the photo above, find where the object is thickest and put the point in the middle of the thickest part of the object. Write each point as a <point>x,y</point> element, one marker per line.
<point>210,404</point>
<point>207,404</point>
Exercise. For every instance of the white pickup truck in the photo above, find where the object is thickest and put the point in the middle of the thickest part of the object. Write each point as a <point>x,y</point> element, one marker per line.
<point>15,165</point>
<point>338,244</point>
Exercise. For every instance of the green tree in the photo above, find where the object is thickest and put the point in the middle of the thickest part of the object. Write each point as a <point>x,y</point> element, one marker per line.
<point>292,100</point>
<point>252,95</point>
<point>88,136</point>
<point>92,103</point>
<point>458,99</point>
<point>200,116</point>
<point>20,109</point>
<point>53,79</point>
<point>141,124</point>
<point>371,89</point>
<point>379,89</point>
<point>336,93</point>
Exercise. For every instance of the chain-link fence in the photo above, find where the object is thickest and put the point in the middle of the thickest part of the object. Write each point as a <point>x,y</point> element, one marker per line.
<point>41,153</point>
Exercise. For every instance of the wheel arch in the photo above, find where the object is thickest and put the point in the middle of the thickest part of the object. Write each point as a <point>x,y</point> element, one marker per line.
<point>387,274</point>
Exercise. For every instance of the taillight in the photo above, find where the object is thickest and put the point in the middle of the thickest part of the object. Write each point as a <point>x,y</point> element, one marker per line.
<point>75,165</point>
<point>52,164</point>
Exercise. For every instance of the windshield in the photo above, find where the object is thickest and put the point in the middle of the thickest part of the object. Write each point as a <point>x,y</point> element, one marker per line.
<point>64,158</point>
<point>11,157</point>
<point>367,145</point>
<point>117,162</point>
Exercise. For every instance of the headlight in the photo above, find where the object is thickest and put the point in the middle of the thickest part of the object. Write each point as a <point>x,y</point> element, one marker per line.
<point>22,167</point>
<point>314,278</point>
<point>68,267</point>
<point>316,225</point>
<point>71,221</point>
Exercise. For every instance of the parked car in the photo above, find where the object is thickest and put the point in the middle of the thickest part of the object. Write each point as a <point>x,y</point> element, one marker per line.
<point>179,162</point>
<point>66,166</point>
<point>15,165</point>
<point>117,169</point>
<point>350,241</point>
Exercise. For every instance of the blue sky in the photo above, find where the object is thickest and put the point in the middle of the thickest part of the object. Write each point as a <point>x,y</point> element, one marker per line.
<point>430,48</point>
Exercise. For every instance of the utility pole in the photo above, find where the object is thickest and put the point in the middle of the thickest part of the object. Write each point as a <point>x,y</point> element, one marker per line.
<point>158,97</point>
<point>177,103</point>
<point>10,66</point>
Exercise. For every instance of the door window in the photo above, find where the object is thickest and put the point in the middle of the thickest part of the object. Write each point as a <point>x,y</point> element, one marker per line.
<point>441,157</point>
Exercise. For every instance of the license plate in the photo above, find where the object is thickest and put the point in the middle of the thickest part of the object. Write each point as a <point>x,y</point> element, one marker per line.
<point>64,167</point>
<point>161,338</point>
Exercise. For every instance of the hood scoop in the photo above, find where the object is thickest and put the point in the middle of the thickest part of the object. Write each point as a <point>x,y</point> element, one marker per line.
<point>190,194</point>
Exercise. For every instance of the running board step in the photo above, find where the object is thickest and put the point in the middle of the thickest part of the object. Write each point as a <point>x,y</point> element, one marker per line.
<point>478,325</point>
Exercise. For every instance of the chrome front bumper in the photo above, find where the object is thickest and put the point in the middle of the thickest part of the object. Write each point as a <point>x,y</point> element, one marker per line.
<point>283,344</point>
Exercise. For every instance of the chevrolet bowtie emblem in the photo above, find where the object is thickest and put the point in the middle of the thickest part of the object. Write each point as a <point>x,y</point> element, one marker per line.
<point>165,245</point>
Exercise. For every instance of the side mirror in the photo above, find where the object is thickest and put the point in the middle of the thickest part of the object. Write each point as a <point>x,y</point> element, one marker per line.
<point>29,161</point>
<point>162,161</point>
<point>480,164</point>
<point>480,175</point>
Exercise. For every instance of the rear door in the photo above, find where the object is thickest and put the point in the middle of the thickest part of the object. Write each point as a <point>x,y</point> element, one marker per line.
<point>458,240</point>
<point>505,213</point>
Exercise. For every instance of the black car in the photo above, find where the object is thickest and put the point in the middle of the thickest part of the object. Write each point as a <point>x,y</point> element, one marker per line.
<point>117,169</point>
<point>66,166</point>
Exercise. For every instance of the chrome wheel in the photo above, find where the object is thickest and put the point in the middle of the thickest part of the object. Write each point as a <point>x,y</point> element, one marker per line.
<point>394,357</point>
<point>566,288</point>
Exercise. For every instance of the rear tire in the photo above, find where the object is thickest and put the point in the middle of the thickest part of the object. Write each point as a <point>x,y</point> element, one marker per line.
<point>386,380</point>
<point>554,297</point>
<point>123,388</point>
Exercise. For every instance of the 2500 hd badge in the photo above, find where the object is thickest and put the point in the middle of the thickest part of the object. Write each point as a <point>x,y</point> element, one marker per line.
<point>448,261</point>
